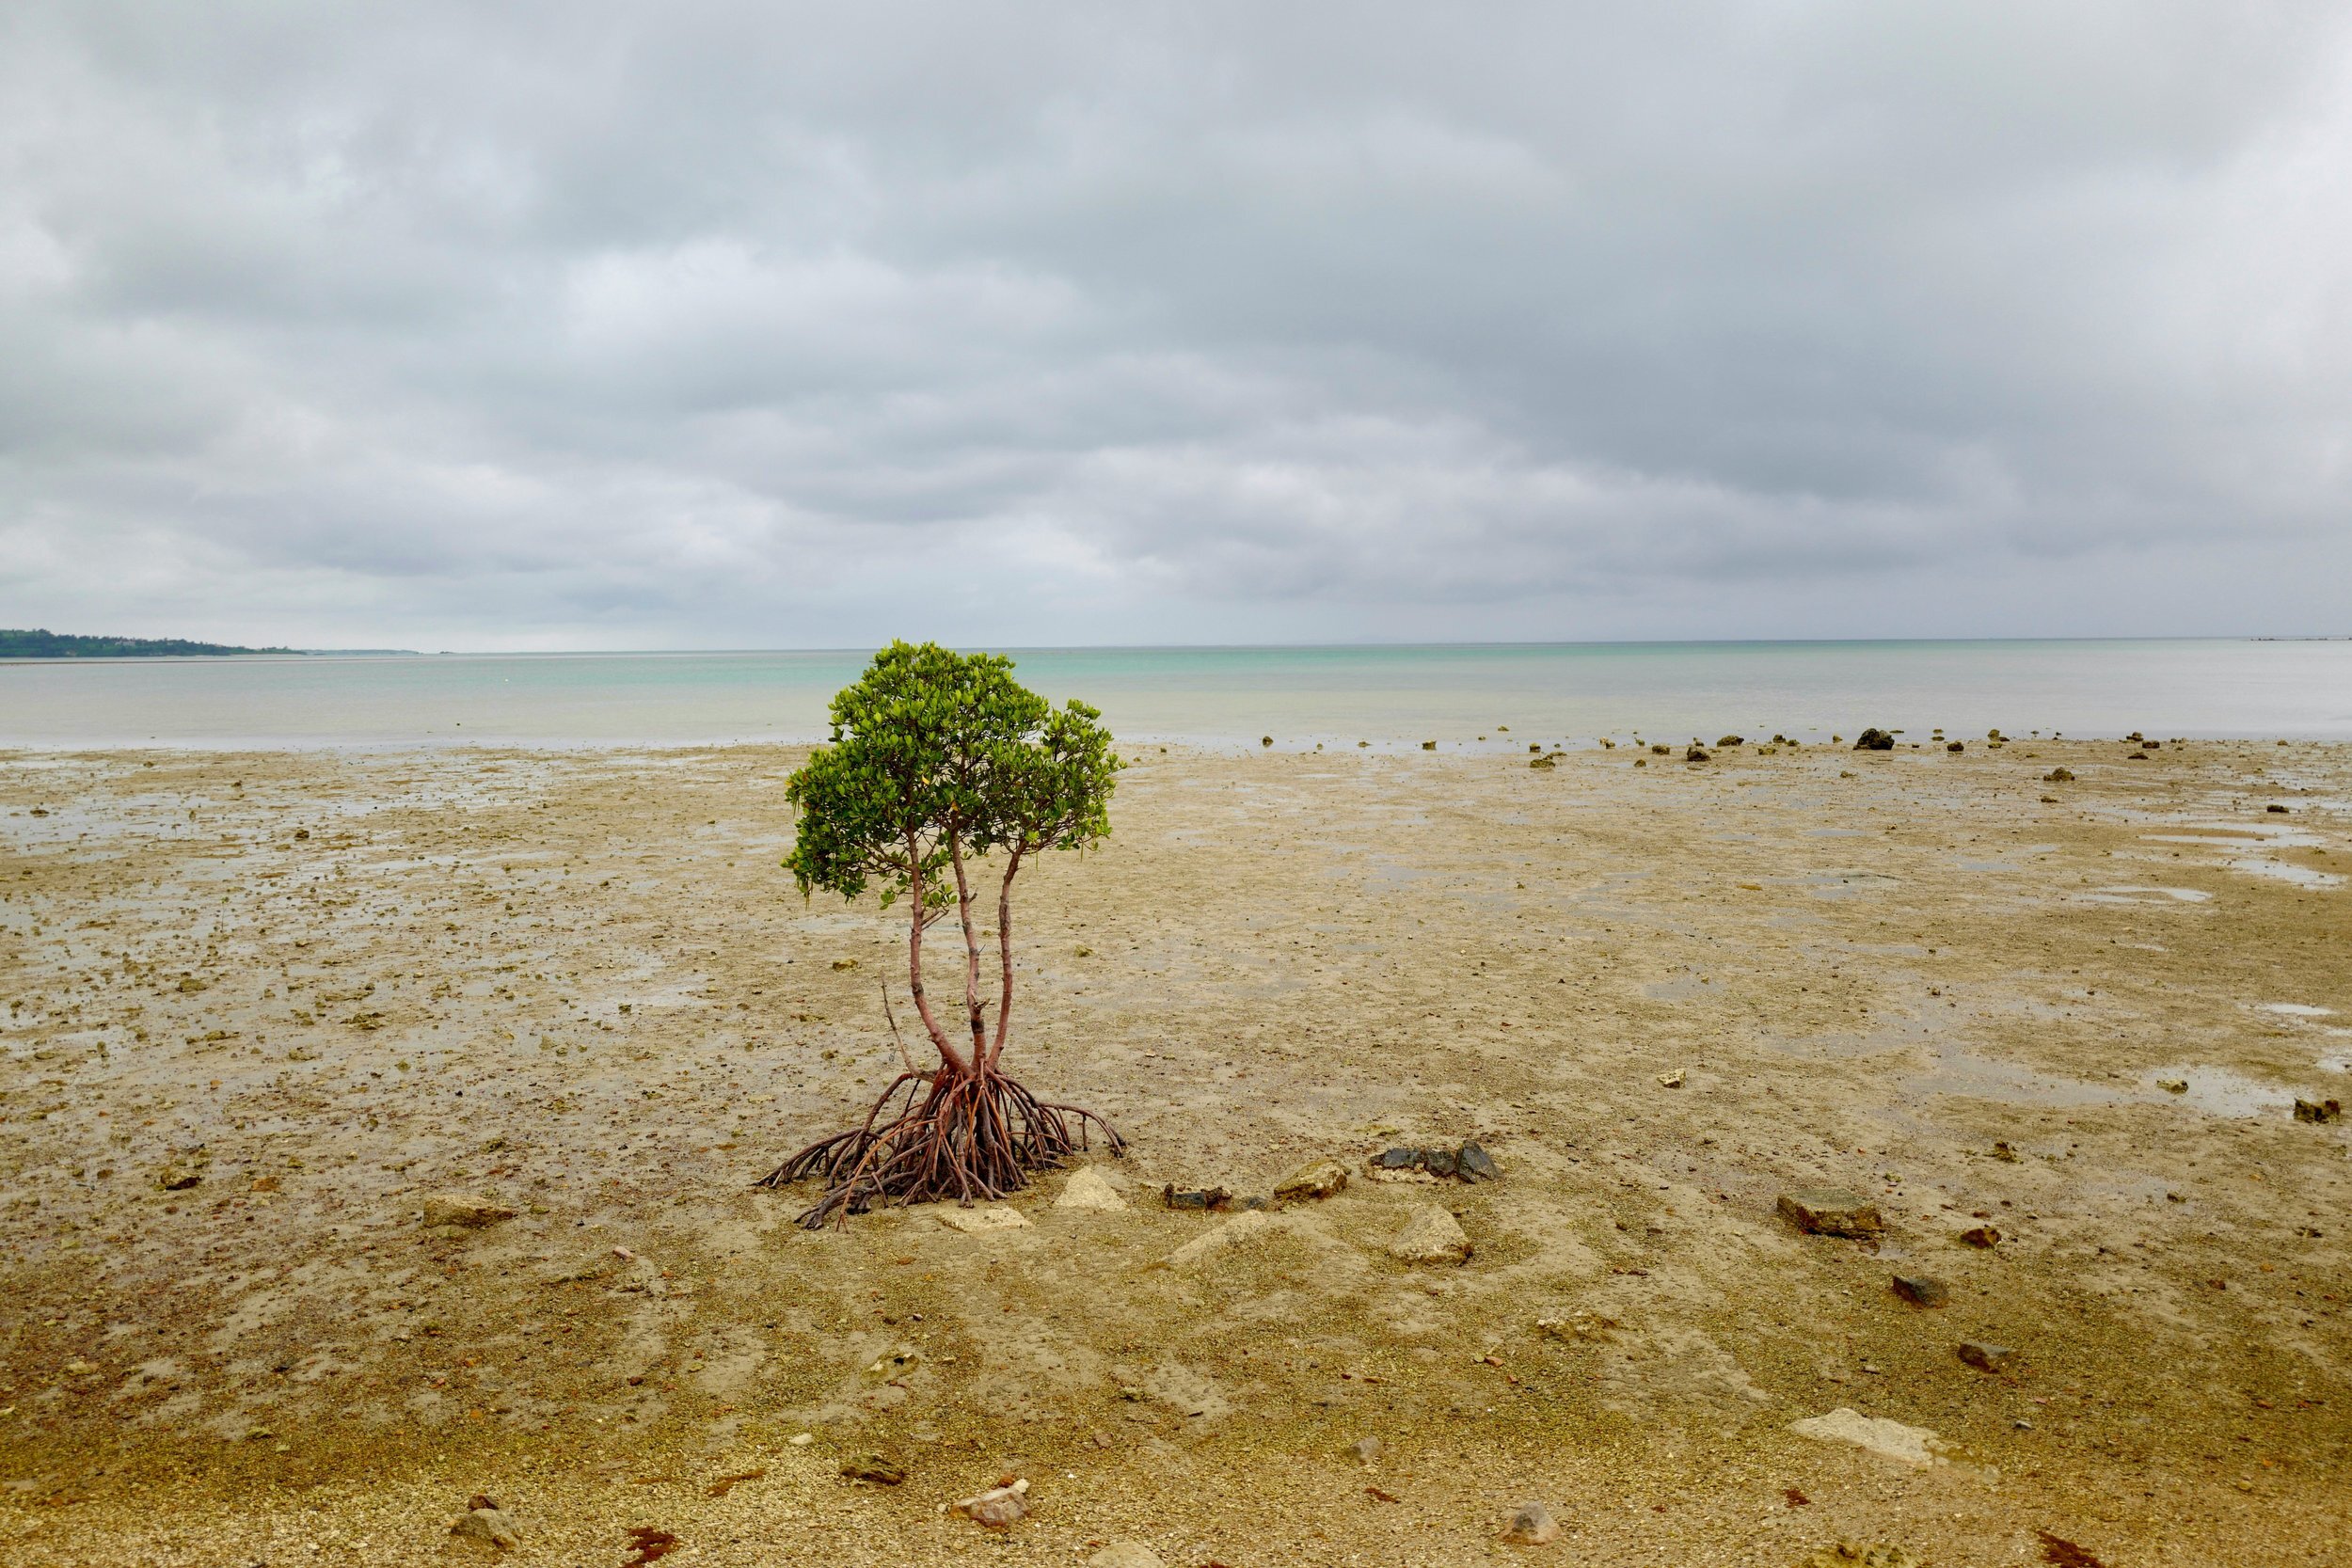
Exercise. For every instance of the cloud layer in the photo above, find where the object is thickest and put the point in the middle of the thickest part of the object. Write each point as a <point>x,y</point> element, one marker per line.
<point>760,325</point>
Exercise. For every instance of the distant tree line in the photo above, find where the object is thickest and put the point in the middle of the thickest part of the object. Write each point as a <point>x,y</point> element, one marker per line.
<point>53,644</point>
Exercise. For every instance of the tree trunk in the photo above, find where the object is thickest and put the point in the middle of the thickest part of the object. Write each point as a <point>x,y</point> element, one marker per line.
<point>971,952</point>
<point>914,960</point>
<point>1003,953</point>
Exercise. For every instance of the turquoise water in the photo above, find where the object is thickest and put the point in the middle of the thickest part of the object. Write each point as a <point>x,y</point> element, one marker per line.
<point>1391,696</point>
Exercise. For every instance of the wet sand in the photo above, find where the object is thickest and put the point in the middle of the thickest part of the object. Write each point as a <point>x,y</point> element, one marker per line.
<point>327,988</point>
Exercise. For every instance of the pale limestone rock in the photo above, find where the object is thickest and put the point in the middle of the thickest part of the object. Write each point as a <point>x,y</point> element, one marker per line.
<point>1090,1192</point>
<point>998,1508</point>
<point>1532,1524</point>
<point>1125,1554</point>
<point>1912,1445</point>
<point>1431,1236</point>
<point>980,1222</point>
<point>1212,1245</point>
<point>1317,1179</point>
<point>489,1526</point>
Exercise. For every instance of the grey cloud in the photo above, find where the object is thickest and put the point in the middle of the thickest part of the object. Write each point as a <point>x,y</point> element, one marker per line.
<point>728,324</point>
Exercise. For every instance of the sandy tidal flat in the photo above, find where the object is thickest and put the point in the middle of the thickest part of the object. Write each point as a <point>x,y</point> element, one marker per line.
<point>263,1008</point>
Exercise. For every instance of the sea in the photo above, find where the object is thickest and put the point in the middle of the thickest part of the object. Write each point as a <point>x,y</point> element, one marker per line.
<point>1473,696</point>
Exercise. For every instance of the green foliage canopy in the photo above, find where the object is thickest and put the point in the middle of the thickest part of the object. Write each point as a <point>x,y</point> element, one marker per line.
<point>936,755</point>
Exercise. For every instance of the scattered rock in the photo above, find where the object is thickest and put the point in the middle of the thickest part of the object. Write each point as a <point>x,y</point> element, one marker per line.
<point>1367,1449</point>
<point>1213,1244</point>
<point>1577,1327</point>
<point>464,1209</point>
<point>2318,1110</point>
<point>2001,1151</point>
<point>646,1542</point>
<point>1212,1197</point>
<point>880,1468</point>
<point>1874,739</point>
<point>2278,809</point>
<point>1889,1439</point>
<point>1126,1554</point>
<point>1089,1192</point>
<point>1981,1235</point>
<point>1317,1179</point>
<point>485,1523</point>
<point>896,1363</point>
<point>79,1367</point>
<point>1697,754</point>
<point>844,965</point>
<point>1830,1212</point>
<point>1474,1164</point>
<point>2061,1553</point>
<point>1730,740</point>
<point>264,1184</point>
<point>1532,1524</point>
<point>2173,1085</point>
<point>1955,746</point>
<point>1853,1553</point>
<point>1398,1165</point>
<point>2059,775</point>
<point>1468,1163</point>
<point>178,1178</point>
<point>1919,1289</point>
<point>1669,1080</point>
<point>1985,1357</point>
<point>983,1220</point>
<point>1431,1236</point>
<point>998,1508</point>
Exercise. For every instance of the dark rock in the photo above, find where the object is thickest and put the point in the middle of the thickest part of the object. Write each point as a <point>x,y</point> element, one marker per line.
<point>1955,746</point>
<point>1212,1197</point>
<point>2317,1110</point>
<point>1731,741</point>
<point>1985,1357</point>
<point>2278,809</point>
<point>1919,1289</point>
<point>1829,1213</point>
<point>1696,753</point>
<point>1396,1158</point>
<point>1474,1164</point>
<point>1660,749</point>
<point>2059,775</point>
<point>1981,1235</point>
<point>1439,1162</point>
<point>1874,739</point>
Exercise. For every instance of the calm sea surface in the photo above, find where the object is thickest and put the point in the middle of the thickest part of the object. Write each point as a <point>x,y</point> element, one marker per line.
<point>1391,696</point>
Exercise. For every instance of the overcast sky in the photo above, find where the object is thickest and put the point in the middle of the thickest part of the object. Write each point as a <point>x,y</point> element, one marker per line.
<point>575,325</point>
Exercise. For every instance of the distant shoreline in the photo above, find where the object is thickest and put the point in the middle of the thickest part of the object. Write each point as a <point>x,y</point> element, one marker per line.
<point>20,645</point>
